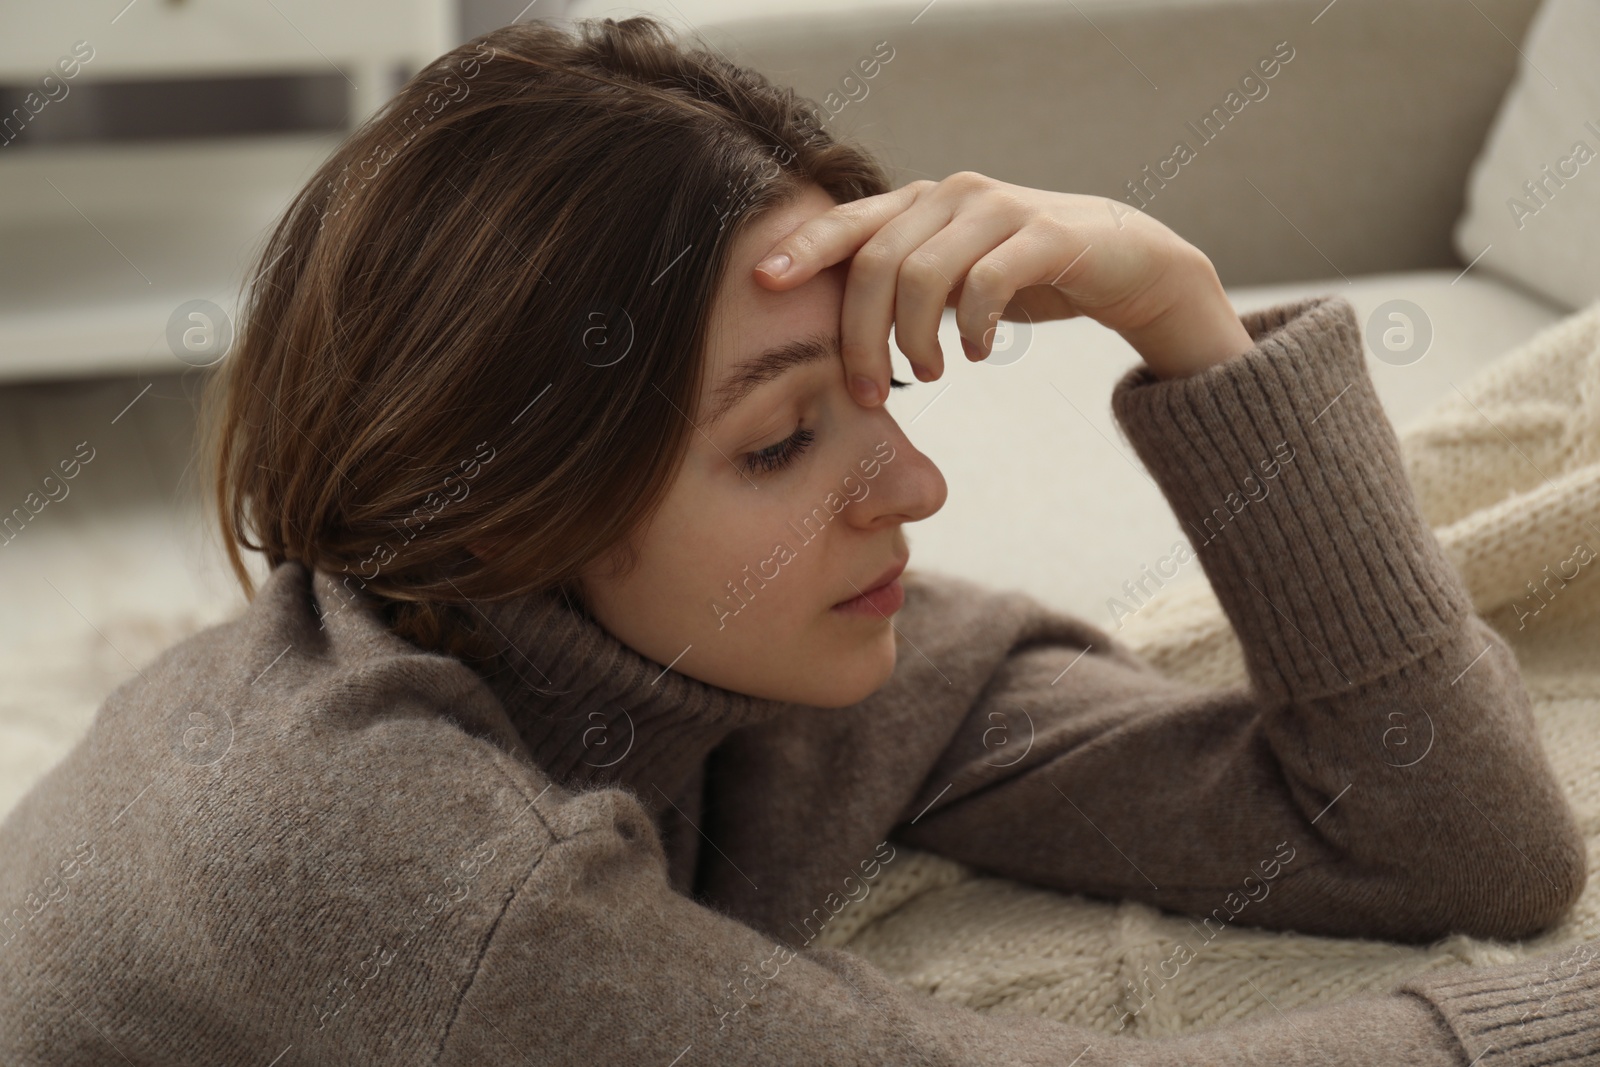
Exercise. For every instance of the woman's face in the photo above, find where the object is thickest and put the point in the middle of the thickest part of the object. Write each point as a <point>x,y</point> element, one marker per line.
<point>740,569</point>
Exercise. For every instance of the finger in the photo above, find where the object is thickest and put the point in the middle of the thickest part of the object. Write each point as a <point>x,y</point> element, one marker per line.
<point>1034,255</point>
<point>928,278</point>
<point>832,237</point>
<point>869,300</point>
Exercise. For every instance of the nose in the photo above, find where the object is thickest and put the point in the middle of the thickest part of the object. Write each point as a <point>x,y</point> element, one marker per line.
<point>909,486</point>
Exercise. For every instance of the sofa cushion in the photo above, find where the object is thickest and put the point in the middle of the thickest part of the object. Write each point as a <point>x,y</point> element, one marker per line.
<point>1533,194</point>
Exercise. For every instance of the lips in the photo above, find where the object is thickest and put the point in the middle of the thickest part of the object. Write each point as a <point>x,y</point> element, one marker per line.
<point>882,580</point>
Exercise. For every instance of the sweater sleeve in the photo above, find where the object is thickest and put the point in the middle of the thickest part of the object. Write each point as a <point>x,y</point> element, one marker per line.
<point>1380,775</point>
<point>594,958</point>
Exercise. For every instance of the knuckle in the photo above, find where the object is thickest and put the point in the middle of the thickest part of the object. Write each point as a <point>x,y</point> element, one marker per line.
<point>1199,258</point>
<point>874,257</point>
<point>802,244</point>
<point>969,181</point>
<point>921,269</point>
<point>1175,244</point>
<point>857,356</point>
<point>1178,258</point>
<point>986,276</point>
<point>1013,203</point>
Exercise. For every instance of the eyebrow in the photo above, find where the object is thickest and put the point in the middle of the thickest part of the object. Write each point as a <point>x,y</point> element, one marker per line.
<point>759,369</point>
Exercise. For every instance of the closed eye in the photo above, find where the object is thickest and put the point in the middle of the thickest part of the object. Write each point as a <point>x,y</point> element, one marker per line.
<point>776,457</point>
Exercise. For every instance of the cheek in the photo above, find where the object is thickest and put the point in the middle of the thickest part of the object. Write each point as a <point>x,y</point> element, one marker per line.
<point>686,556</point>
<point>741,545</point>
<point>732,585</point>
<point>741,552</point>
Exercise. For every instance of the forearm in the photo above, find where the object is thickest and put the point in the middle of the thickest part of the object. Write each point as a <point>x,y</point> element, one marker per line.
<point>1383,754</point>
<point>1358,635</point>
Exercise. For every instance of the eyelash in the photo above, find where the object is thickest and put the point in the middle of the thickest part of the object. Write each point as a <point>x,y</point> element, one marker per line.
<point>776,457</point>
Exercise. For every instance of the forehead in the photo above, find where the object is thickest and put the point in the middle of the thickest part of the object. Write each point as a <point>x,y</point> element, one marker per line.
<point>748,318</point>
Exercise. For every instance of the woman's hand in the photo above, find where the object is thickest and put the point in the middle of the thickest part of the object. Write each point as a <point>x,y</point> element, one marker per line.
<point>993,250</point>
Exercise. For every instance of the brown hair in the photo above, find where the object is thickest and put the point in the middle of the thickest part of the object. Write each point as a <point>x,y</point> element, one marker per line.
<point>483,317</point>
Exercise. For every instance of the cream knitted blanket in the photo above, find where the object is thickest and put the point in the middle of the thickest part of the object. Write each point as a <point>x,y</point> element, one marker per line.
<point>1507,471</point>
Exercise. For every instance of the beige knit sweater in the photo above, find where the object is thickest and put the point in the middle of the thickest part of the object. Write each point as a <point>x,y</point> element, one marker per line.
<point>297,839</point>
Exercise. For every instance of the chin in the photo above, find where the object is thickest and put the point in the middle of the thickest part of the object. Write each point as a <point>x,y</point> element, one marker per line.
<point>837,678</point>
<point>845,684</point>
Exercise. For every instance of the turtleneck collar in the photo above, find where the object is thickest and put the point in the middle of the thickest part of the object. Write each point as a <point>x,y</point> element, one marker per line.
<point>594,711</point>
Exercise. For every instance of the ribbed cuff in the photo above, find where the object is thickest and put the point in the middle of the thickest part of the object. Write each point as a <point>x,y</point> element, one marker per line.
<point>1287,478</point>
<point>1545,1010</point>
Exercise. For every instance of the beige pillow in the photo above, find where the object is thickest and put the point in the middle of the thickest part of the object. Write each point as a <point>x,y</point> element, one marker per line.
<point>1533,195</point>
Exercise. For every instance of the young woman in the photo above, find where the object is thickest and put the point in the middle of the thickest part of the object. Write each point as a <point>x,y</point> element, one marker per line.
<point>586,685</point>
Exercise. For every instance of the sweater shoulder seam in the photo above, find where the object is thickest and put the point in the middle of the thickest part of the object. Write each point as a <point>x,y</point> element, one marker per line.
<point>494,926</point>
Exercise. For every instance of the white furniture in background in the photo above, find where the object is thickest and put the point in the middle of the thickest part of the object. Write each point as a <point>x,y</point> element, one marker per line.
<point>100,242</point>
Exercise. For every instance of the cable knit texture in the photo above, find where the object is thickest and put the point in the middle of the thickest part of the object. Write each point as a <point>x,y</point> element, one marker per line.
<point>298,838</point>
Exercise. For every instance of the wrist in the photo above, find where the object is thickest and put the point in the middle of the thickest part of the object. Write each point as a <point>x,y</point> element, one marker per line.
<point>1201,330</point>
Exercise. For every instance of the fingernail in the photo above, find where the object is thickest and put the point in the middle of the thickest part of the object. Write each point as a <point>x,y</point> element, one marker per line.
<point>865,389</point>
<point>775,265</point>
<point>973,351</point>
